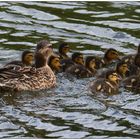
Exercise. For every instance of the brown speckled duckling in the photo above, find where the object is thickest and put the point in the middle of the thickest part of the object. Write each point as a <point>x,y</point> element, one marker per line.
<point>76,58</point>
<point>108,85</point>
<point>54,63</point>
<point>26,60</point>
<point>87,70</point>
<point>121,69</point>
<point>63,50</point>
<point>110,55</point>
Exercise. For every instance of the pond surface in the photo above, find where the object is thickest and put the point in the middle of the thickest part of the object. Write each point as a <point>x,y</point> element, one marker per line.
<point>69,111</point>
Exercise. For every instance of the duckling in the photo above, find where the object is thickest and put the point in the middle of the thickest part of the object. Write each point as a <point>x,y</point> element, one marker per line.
<point>134,68</point>
<point>63,50</point>
<point>110,55</point>
<point>121,69</point>
<point>76,58</point>
<point>92,63</point>
<point>26,60</point>
<point>108,85</point>
<point>34,78</point>
<point>87,70</point>
<point>130,58</point>
<point>54,63</point>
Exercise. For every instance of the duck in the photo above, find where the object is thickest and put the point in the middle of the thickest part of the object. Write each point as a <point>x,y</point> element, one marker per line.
<point>32,78</point>
<point>109,56</point>
<point>76,58</point>
<point>63,50</point>
<point>27,59</point>
<point>130,58</point>
<point>121,69</point>
<point>89,69</point>
<point>108,85</point>
<point>55,64</point>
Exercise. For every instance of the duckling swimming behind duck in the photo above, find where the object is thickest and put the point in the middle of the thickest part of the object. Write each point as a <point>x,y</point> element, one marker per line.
<point>108,85</point>
<point>26,60</point>
<point>76,58</point>
<point>54,63</point>
<point>110,55</point>
<point>63,50</point>
<point>32,78</point>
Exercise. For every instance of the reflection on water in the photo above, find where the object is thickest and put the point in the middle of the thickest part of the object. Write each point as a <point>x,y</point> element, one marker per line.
<point>69,111</point>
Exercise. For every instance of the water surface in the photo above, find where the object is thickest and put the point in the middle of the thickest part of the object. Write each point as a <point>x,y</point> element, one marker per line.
<point>69,111</point>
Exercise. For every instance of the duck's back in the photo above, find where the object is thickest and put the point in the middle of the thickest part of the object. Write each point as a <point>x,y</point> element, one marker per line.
<point>32,79</point>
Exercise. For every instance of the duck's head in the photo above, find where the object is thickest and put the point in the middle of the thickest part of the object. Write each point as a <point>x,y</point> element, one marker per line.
<point>54,63</point>
<point>111,54</point>
<point>64,48</point>
<point>122,68</point>
<point>112,76</point>
<point>78,58</point>
<point>44,47</point>
<point>92,62</point>
<point>27,57</point>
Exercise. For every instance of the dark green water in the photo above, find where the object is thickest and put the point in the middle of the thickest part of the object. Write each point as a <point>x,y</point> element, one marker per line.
<point>68,111</point>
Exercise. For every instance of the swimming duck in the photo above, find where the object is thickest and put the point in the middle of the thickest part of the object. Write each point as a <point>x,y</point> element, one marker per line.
<point>63,50</point>
<point>54,63</point>
<point>32,78</point>
<point>108,85</point>
<point>27,58</point>
<point>87,70</point>
<point>76,58</point>
<point>121,69</point>
<point>110,55</point>
<point>130,58</point>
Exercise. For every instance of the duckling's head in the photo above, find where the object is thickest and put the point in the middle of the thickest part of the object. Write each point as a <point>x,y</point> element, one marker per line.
<point>27,57</point>
<point>54,63</point>
<point>111,54</point>
<point>64,48</point>
<point>44,47</point>
<point>112,76</point>
<point>122,68</point>
<point>78,58</point>
<point>92,62</point>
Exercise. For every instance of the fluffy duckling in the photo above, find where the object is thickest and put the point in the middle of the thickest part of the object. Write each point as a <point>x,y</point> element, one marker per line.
<point>54,63</point>
<point>32,78</point>
<point>87,70</point>
<point>130,58</point>
<point>63,50</point>
<point>121,69</point>
<point>110,55</point>
<point>108,85</point>
<point>76,58</point>
<point>26,60</point>
<point>92,63</point>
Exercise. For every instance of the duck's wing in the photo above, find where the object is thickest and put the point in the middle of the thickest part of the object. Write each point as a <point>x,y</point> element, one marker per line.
<point>18,63</point>
<point>14,72</point>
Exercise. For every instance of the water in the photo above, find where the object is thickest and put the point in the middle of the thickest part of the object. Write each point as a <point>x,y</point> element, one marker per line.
<point>69,111</point>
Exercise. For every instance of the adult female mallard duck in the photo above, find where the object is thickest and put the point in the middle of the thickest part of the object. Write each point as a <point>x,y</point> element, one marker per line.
<point>108,85</point>
<point>63,50</point>
<point>32,78</point>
